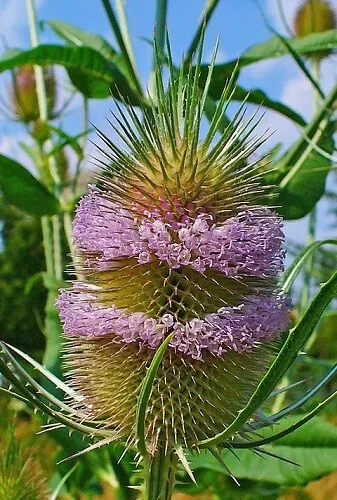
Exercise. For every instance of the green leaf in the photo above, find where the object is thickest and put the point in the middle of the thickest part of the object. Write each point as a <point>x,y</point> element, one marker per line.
<point>300,62</point>
<point>145,394</point>
<point>313,447</point>
<point>274,47</point>
<point>256,96</point>
<point>80,38</point>
<point>295,341</point>
<point>305,185</point>
<point>302,172</point>
<point>21,189</point>
<point>269,49</point>
<point>259,97</point>
<point>90,72</point>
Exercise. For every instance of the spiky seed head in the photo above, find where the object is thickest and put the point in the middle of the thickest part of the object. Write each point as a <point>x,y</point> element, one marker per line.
<point>315,16</point>
<point>24,95</point>
<point>175,237</point>
<point>21,476</point>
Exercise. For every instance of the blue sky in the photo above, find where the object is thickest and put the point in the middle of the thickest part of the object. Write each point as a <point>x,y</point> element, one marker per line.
<point>239,25</point>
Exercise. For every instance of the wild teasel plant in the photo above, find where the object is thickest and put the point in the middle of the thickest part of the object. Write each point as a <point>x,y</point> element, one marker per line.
<point>21,476</point>
<point>177,331</point>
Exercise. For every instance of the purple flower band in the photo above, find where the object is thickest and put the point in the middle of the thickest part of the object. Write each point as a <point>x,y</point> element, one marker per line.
<point>237,328</point>
<point>248,244</point>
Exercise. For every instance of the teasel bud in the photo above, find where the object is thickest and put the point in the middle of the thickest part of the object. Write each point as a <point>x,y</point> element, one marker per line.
<point>24,95</point>
<point>21,476</point>
<point>315,16</point>
<point>176,244</point>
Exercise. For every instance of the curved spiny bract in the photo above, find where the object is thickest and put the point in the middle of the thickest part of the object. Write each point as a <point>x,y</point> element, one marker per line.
<point>176,239</point>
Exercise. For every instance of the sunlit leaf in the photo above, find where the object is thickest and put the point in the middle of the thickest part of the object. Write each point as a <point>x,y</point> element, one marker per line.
<point>81,38</point>
<point>90,72</point>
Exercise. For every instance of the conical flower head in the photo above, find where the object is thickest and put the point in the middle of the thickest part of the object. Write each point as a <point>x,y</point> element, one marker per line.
<point>24,94</point>
<point>315,16</point>
<point>175,239</point>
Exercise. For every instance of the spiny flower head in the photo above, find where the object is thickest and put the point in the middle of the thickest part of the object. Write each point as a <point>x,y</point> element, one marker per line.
<point>315,16</point>
<point>176,238</point>
<point>24,94</point>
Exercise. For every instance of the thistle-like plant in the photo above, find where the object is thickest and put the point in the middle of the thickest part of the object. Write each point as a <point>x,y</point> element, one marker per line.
<point>177,332</point>
<point>21,476</point>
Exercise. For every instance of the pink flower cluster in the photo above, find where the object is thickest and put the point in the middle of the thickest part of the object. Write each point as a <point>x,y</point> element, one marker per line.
<point>237,328</point>
<point>249,243</point>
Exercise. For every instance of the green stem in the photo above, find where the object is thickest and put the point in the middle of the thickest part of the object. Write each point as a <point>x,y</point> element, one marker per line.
<point>161,14</point>
<point>160,475</point>
<point>58,258</point>
<point>305,296</point>
<point>159,47</point>
<point>123,40</point>
<point>84,143</point>
<point>51,239</point>
<point>208,11</point>
<point>48,244</point>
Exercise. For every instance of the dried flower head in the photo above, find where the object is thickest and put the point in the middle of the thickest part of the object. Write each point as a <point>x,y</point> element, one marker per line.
<point>175,239</point>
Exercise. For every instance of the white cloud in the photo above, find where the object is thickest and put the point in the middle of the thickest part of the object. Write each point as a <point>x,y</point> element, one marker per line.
<point>298,94</point>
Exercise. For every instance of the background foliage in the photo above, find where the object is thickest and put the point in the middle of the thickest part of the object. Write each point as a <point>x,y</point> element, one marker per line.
<point>36,244</point>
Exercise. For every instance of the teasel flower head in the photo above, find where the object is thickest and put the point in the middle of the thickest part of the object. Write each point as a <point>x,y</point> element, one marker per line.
<point>21,476</point>
<point>315,16</point>
<point>24,96</point>
<point>178,249</point>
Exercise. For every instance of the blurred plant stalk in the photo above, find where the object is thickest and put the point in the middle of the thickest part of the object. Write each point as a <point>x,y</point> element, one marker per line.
<point>51,226</point>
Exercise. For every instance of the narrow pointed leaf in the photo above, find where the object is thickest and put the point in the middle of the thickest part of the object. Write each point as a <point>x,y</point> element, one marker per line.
<point>291,273</point>
<point>145,394</point>
<point>292,345</point>
<point>281,414</point>
<point>259,97</point>
<point>302,172</point>
<point>313,446</point>
<point>289,430</point>
<point>46,373</point>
